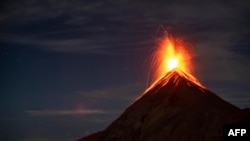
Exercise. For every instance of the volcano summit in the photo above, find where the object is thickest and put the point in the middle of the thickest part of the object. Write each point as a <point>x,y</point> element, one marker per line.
<point>177,107</point>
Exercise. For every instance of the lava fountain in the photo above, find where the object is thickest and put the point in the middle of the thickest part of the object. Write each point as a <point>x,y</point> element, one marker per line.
<point>171,54</point>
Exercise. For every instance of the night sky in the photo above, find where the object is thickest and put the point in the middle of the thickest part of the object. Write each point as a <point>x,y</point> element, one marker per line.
<point>68,69</point>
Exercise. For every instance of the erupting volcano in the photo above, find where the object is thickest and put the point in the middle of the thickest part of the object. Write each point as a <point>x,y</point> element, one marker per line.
<point>176,107</point>
<point>170,54</point>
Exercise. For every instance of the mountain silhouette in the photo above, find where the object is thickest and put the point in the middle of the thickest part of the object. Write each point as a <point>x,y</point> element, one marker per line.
<point>177,107</point>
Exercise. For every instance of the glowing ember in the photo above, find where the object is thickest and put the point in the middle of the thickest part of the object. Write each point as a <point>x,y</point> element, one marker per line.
<point>171,54</point>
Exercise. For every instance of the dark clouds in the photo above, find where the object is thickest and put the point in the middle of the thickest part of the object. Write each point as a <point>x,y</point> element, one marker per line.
<point>60,55</point>
<point>102,27</point>
<point>98,27</point>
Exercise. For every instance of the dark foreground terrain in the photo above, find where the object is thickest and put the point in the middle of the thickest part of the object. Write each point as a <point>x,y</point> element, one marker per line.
<point>176,108</point>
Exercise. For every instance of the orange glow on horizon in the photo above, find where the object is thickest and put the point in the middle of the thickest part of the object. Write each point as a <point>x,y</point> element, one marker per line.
<point>171,54</point>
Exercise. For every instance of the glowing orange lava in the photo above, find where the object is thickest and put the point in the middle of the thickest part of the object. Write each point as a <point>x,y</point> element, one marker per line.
<point>171,54</point>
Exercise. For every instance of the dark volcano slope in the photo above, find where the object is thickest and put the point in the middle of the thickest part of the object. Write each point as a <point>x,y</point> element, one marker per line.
<point>176,108</point>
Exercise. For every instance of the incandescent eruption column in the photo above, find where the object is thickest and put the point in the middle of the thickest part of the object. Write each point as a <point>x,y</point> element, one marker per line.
<point>169,55</point>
